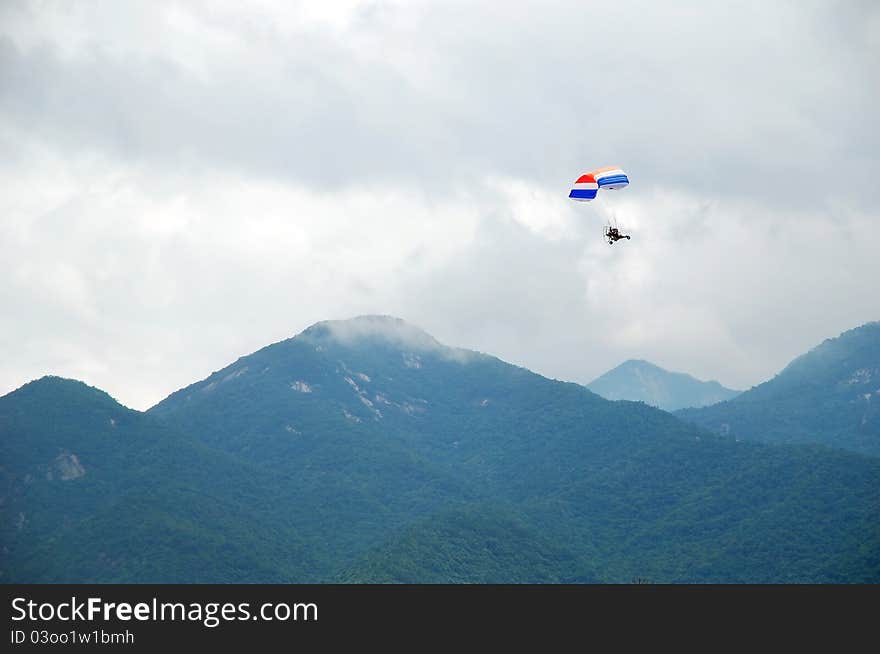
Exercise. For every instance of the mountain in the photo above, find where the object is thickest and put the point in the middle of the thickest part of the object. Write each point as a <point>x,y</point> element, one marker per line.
<point>376,412</point>
<point>471,544</point>
<point>829,396</point>
<point>93,491</point>
<point>642,381</point>
<point>365,450</point>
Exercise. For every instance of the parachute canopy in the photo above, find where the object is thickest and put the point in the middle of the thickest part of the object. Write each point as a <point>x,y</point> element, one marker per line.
<point>584,189</point>
<point>610,177</point>
<point>587,186</point>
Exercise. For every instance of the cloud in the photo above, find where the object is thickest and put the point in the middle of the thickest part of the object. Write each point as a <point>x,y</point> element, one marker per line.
<point>184,183</point>
<point>389,329</point>
<point>438,92</point>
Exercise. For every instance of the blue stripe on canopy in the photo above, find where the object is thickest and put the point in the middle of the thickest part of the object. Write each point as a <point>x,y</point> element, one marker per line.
<point>583,193</point>
<point>613,179</point>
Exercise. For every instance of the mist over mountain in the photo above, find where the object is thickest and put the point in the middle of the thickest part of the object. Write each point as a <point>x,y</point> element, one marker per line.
<point>642,381</point>
<point>365,450</point>
<point>830,396</point>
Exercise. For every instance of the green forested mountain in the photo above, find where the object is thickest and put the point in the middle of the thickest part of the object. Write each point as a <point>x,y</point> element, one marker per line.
<point>365,451</point>
<point>830,396</point>
<point>473,544</point>
<point>93,491</point>
<point>642,381</point>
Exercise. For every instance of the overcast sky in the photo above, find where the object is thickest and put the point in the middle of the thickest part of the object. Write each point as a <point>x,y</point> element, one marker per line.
<point>182,183</point>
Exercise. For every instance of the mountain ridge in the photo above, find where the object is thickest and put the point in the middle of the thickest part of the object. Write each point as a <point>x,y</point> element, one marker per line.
<point>829,395</point>
<point>93,490</point>
<point>367,457</point>
<point>642,381</point>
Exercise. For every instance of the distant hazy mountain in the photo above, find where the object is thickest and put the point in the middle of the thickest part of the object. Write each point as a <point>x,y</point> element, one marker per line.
<point>830,395</point>
<point>642,381</point>
<point>364,450</point>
